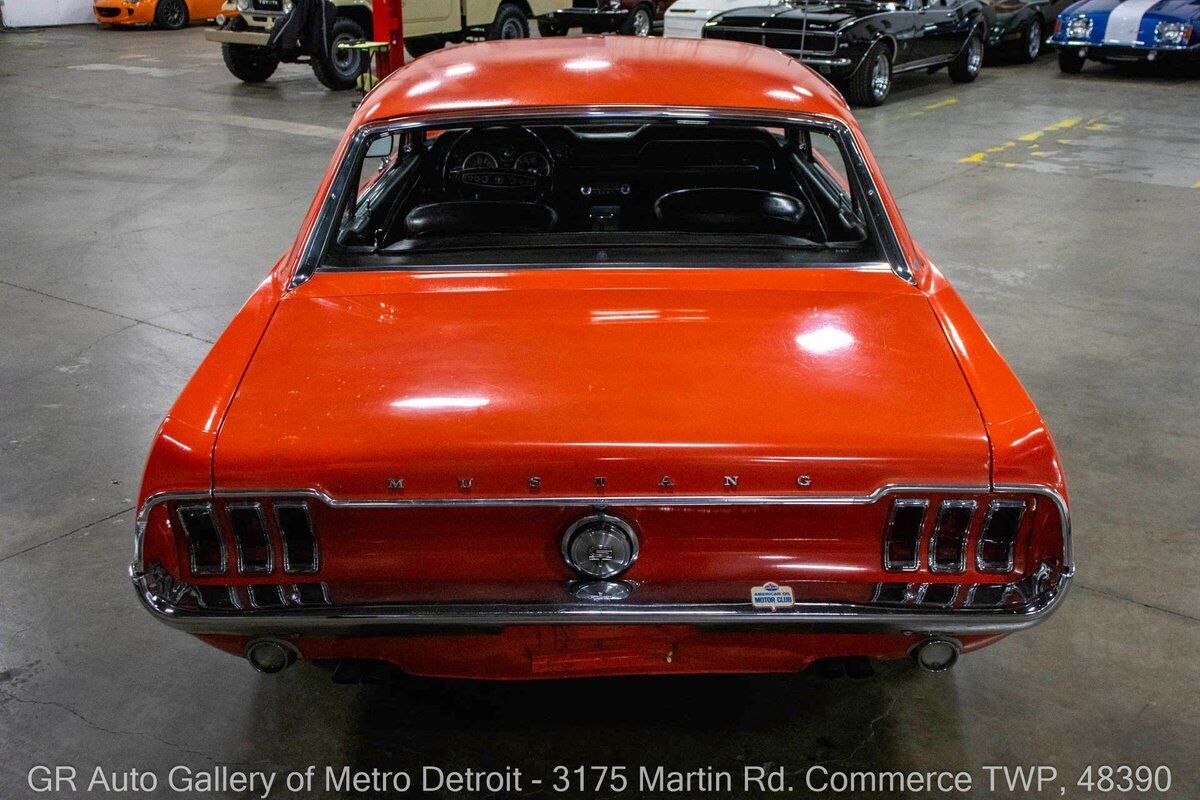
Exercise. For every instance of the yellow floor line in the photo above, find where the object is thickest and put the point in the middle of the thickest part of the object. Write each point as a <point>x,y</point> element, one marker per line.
<point>1030,138</point>
<point>949,101</point>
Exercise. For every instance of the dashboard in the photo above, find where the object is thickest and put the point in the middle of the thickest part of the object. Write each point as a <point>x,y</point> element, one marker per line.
<point>484,161</point>
<point>600,177</point>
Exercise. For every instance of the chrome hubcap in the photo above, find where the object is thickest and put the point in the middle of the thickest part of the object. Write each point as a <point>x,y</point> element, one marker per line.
<point>881,75</point>
<point>641,23</point>
<point>974,55</point>
<point>1035,38</point>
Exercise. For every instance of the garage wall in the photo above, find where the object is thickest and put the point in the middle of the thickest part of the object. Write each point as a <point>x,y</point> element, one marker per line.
<point>26,13</point>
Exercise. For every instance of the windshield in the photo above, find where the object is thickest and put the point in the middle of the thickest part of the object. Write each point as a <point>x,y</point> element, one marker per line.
<point>656,190</point>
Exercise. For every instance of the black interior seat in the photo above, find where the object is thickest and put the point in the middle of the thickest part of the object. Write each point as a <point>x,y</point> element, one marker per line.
<point>730,209</point>
<point>479,216</point>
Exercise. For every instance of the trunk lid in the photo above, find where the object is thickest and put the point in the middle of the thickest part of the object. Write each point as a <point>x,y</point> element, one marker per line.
<point>470,384</point>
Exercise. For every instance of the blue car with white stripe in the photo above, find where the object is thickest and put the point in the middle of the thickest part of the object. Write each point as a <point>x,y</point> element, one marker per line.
<point>1112,31</point>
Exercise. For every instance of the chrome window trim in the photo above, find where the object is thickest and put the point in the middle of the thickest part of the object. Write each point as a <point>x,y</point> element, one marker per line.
<point>187,537</point>
<point>318,238</point>
<point>312,529</point>
<point>237,541</point>
<point>897,504</point>
<point>944,506</point>
<point>988,567</point>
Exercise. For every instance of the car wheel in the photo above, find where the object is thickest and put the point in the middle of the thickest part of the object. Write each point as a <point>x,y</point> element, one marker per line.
<point>248,63</point>
<point>1030,44</point>
<point>548,28</point>
<point>510,23</point>
<point>418,46</point>
<point>965,66</point>
<point>638,23</point>
<point>339,69</point>
<point>171,15</point>
<point>872,81</point>
<point>1070,61</point>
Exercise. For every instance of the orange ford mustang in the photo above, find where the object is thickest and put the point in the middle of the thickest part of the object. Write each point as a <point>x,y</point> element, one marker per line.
<point>602,356</point>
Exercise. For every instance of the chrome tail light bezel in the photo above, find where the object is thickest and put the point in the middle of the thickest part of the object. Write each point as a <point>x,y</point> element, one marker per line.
<point>289,565</point>
<point>945,509</point>
<point>239,543</point>
<point>191,538</point>
<point>899,505</point>
<point>996,567</point>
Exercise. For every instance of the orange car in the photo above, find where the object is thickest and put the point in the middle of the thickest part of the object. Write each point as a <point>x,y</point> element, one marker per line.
<point>169,14</point>
<point>621,360</point>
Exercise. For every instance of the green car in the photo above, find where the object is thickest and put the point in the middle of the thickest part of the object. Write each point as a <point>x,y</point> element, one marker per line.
<point>1021,27</point>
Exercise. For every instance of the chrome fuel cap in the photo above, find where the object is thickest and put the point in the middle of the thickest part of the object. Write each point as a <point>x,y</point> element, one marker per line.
<point>600,546</point>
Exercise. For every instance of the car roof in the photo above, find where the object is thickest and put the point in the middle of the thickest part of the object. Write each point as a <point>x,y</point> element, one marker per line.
<point>601,71</point>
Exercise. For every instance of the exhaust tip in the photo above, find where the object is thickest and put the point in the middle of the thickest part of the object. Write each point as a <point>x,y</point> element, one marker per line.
<point>936,654</point>
<point>270,656</point>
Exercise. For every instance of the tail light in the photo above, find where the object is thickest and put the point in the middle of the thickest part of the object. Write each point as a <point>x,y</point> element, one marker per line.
<point>206,548</point>
<point>220,598</point>
<point>909,594</point>
<point>902,543</point>
<point>948,544</point>
<point>254,551</point>
<point>940,594</point>
<point>299,544</point>
<point>264,595</point>
<point>309,594</point>
<point>997,540</point>
<point>986,594</point>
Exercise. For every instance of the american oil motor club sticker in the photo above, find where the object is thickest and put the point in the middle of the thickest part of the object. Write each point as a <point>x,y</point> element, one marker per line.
<point>772,596</point>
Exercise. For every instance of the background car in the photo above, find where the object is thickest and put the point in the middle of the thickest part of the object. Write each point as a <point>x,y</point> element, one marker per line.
<point>630,17</point>
<point>861,46</point>
<point>1020,27</point>
<point>1114,32</point>
<point>685,18</point>
<point>167,14</point>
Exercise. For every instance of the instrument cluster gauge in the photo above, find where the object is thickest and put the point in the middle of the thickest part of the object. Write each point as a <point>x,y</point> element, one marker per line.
<point>534,164</point>
<point>480,160</point>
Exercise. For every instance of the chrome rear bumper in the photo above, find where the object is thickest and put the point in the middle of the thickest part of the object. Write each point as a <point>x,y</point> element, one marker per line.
<point>395,619</point>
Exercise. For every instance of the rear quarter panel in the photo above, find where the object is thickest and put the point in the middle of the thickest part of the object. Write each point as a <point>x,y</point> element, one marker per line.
<point>1023,451</point>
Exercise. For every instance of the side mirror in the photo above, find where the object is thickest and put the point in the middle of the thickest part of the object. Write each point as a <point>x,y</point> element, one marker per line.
<point>381,147</point>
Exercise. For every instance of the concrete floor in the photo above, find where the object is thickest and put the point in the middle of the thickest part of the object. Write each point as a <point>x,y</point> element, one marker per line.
<point>144,192</point>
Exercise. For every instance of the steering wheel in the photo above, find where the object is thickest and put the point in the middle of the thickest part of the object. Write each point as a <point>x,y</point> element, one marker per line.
<point>498,163</point>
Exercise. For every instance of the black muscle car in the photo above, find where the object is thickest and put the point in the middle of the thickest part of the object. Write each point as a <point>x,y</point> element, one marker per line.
<point>861,44</point>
